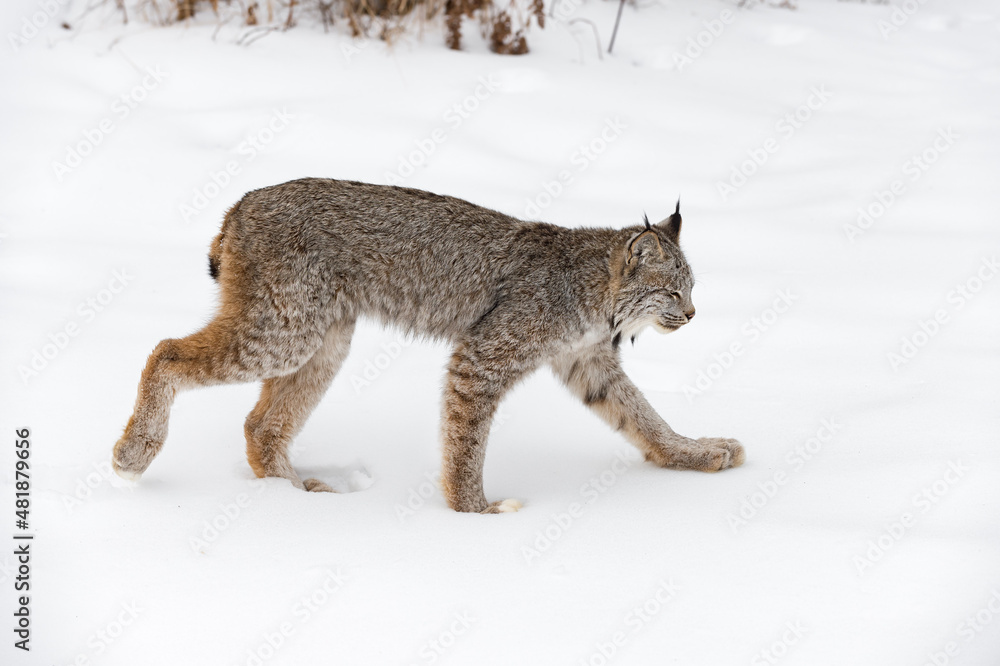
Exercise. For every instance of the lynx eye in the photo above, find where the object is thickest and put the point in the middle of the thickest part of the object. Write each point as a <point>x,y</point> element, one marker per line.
<point>675,295</point>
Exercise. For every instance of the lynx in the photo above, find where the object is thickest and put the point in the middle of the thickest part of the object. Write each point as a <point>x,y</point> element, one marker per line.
<point>299,263</point>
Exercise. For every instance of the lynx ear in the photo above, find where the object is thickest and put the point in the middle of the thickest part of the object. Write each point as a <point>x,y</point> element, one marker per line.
<point>641,246</point>
<point>672,225</point>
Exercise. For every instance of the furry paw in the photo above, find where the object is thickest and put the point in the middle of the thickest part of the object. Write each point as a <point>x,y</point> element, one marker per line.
<point>131,457</point>
<point>723,453</point>
<point>505,506</point>
<point>317,486</point>
<point>124,474</point>
<point>708,454</point>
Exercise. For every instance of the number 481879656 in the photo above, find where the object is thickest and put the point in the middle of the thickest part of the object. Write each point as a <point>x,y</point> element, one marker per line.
<point>22,479</point>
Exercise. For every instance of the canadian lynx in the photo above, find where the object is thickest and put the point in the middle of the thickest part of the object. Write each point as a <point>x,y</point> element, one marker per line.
<point>298,263</point>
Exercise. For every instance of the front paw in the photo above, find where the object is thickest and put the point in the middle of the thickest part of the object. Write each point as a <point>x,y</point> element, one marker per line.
<point>503,506</point>
<point>708,454</point>
<point>723,453</point>
<point>466,504</point>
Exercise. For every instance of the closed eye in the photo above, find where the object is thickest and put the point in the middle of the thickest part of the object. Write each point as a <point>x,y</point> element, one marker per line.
<point>676,295</point>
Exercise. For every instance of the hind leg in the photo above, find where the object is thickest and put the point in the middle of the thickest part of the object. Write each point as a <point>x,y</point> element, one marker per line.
<point>285,404</point>
<point>222,352</point>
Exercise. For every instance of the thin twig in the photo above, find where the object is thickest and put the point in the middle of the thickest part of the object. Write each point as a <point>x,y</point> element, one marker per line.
<point>215,33</point>
<point>253,34</point>
<point>114,43</point>
<point>621,6</point>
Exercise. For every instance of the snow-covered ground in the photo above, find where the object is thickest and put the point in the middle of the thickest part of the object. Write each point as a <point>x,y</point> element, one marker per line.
<point>855,355</point>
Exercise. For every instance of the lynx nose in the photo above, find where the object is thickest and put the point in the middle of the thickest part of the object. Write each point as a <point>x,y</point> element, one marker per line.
<point>689,314</point>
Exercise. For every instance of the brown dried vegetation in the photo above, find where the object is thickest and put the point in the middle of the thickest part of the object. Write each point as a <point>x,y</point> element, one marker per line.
<point>496,22</point>
<point>503,24</point>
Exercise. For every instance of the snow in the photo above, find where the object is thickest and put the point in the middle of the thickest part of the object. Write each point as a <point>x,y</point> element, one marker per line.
<point>610,560</point>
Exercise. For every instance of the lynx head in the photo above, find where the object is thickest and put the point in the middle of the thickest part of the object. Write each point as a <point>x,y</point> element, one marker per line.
<point>653,280</point>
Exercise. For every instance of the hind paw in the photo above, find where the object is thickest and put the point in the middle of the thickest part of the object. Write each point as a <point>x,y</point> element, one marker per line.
<point>317,486</point>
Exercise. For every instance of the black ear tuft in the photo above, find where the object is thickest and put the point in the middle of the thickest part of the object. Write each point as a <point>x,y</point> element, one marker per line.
<point>645,218</point>
<point>673,224</point>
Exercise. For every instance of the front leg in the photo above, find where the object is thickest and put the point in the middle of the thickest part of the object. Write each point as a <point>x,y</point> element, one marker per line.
<point>597,378</point>
<point>478,377</point>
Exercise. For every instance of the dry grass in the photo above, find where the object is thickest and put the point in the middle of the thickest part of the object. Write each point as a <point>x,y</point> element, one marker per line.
<point>502,23</point>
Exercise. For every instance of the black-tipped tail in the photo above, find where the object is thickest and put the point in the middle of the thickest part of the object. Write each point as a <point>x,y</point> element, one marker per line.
<point>215,251</point>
